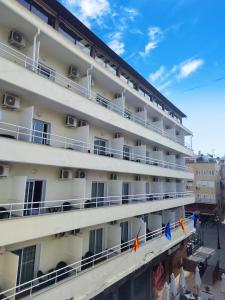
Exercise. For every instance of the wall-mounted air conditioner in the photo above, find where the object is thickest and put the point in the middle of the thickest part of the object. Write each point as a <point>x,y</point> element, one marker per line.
<point>138,143</point>
<point>11,101</point>
<point>17,39</point>
<point>140,109</point>
<point>65,174</point>
<point>113,223</point>
<point>73,72</point>
<point>113,176</point>
<point>4,171</point>
<point>155,149</point>
<point>137,177</point>
<point>70,121</point>
<point>82,123</point>
<point>81,174</point>
<point>118,135</point>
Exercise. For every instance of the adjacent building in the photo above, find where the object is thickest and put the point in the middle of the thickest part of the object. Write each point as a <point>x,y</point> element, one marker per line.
<point>91,156</point>
<point>206,185</point>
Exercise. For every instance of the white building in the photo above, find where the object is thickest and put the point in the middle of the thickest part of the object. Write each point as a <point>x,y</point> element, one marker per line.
<point>90,155</point>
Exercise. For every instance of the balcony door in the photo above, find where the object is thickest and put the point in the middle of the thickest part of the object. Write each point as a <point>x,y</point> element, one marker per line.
<point>96,241</point>
<point>98,193</point>
<point>126,152</point>
<point>124,232</point>
<point>100,146</point>
<point>125,192</point>
<point>26,265</point>
<point>41,132</point>
<point>34,196</point>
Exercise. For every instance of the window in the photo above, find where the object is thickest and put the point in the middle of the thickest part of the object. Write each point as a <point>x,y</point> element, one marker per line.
<point>41,132</point>
<point>101,100</point>
<point>126,152</point>
<point>96,241</point>
<point>125,192</point>
<point>124,232</point>
<point>46,72</point>
<point>99,146</point>
<point>25,3</point>
<point>98,193</point>
<point>38,11</point>
<point>26,265</point>
<point>67,33</point>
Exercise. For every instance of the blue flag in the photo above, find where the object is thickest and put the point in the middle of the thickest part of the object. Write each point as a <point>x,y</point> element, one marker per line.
<point>168,232</point>
<point>194,218</point>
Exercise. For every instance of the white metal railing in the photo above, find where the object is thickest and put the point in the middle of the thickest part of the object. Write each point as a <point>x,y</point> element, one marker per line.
<point>75,269</point>
<point>50,74</point>
<point>23,209</point>
<point>39,137</point>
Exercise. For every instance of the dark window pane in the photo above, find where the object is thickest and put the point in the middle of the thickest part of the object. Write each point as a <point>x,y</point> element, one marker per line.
<point>25,3</point>
<point>67,33</point>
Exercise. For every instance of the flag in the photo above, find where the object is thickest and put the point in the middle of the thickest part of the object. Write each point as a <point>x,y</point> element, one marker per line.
<point>182,222</point>
<point>136,243</point>
<point>195,218</point>
<point>168,232</point>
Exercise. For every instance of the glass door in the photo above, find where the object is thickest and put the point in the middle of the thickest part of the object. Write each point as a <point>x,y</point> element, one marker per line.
<point>96,241</point>
<point>125,192</point>
<point>41,132</point>
<point>126,152</point>
<point>99,146</point>
<point>26,265</point>
<point>124,232</point>
<point>34,196</point>
<point>98,193</point>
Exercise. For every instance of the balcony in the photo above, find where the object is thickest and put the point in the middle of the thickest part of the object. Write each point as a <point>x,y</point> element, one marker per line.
<point>14,132</point>
<point>41,219</point>
<point>20,59</point>
<point>113,263</point>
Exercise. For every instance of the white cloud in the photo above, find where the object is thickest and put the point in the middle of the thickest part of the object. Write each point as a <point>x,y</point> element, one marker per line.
<point>164,85</point>
<point>155,35</point>
<point>188,67</point>
<point>131,12</point>
<point>89,10</point>
<point>157,74</point>
<point>117,46</point>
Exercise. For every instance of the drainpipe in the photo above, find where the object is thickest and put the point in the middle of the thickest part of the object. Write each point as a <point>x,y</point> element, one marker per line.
<point>89,81</point>
<point>35,48</point>
<point>123,98</point>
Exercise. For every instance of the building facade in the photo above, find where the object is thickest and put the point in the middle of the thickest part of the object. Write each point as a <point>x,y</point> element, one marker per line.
<point>91,155</point>
<point>206,185</point>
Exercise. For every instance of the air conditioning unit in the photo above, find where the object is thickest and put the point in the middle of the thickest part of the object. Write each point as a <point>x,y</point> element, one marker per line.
<point>75,231</point>
<point>82,123</point>
<point>4,171</point>
<point>167,127</point>
<point>155,149</point>
<point>118,135</point>
<point>17,39</point>
<point>65,174</point>
<point>137,177</point>
<point>81,174</point>
<point>167,152</point>
<point>73,72</point>
<point>11,101</point>
<point>155,179</point>
<point>113,176</point>
<point>138,143</point>
<point>70,121</point>
<point>140,109</point>
<point>117,95</point>
<point>113,223</point>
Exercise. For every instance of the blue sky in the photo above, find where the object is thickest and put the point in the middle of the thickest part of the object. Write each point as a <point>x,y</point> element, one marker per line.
<point>179,46</point>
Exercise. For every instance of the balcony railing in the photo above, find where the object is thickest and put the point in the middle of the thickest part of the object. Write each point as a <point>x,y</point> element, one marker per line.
<point>17,132</point>
<point>24,209</point>
<point>75,269</point>
<point>50,74</point>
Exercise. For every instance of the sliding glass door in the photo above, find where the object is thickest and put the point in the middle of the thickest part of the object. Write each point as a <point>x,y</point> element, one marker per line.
<point>98,193</point>
<point>96,241</point>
